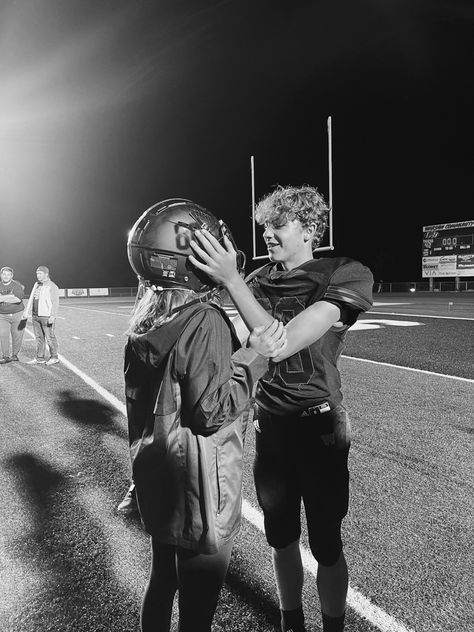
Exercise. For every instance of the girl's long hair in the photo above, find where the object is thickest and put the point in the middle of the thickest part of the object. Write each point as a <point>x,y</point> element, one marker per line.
<point>155,307</point>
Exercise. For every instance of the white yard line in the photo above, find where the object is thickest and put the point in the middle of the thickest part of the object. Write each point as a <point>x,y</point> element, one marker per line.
<point>356,600</point>
<point>99,311</point>
<point>408,368</point>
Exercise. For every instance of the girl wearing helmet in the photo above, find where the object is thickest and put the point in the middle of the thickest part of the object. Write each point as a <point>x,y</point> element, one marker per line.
<point>188,384</point>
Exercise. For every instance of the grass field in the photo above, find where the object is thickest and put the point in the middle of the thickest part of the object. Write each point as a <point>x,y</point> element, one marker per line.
<point>69,563</point>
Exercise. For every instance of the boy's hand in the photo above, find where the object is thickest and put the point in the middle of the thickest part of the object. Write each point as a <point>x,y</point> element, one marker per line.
<point>217,261</point>
<point>268,341</point>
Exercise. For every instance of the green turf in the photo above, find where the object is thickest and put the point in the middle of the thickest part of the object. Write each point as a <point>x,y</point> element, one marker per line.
<point>70,564</point>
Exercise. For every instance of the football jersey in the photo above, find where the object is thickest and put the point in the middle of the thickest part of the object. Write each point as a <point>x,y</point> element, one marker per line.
<point>311,376</point>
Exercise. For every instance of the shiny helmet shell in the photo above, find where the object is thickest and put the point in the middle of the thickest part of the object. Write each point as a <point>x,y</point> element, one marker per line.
<point>158,245</point>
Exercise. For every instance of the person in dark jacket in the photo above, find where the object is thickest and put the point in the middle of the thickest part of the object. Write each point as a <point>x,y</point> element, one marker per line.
<point>188,385</point>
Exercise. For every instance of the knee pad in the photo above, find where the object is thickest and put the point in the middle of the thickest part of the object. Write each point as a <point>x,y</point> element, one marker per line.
<point>326,546</point>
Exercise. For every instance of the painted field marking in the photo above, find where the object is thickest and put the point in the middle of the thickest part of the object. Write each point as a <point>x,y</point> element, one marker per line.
<point>363,606</point>
<point>408,368</point>
<point>379,323</point>
<point>356,600</point>
<point>376,304</point>
<point>423,315</point>
<point>99,311</point>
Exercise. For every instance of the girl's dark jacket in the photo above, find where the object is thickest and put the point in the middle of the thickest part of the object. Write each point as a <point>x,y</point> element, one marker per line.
<point>188,386</point>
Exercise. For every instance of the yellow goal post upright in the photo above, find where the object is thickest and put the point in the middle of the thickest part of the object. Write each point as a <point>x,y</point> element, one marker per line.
<point>330,246</point>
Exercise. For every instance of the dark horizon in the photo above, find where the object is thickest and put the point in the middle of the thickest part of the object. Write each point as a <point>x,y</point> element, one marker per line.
<point>110,107</point>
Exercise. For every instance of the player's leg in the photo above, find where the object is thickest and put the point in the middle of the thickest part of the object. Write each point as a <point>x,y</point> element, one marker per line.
<point>4,338</point>
<point>40,338</point>
<point>50,335</point>
<point>279,496</point>
<point>325,479</point>
<point>288,569</point>
<point>200,580</point>
<point>332,585</point>
<point>18,331</point>
<point>159,594</point>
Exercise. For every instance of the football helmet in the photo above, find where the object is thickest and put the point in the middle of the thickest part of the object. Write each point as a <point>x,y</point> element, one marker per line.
<point>158,245</point>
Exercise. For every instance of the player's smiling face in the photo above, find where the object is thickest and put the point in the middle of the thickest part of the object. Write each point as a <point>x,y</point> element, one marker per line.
<point>289,244</point>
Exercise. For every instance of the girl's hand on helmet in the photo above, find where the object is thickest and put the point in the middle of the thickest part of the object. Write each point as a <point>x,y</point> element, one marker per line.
<point>218,261</point>
<point>268,341</point>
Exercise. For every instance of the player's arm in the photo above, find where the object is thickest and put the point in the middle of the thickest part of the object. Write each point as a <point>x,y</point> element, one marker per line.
<point>309,326</point>
<point>10,298</point>
<point>220,264</point>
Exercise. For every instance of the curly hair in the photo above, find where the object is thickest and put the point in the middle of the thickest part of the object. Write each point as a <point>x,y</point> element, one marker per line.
<point>303,203</point>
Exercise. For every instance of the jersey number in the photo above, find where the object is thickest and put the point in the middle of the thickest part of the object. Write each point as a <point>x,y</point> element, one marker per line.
<point>298,368</point>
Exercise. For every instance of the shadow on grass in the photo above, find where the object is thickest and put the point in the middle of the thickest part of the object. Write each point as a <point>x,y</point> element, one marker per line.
<point>98,420</point>
<point>246,586</point>
<point>90,413</point>
<point>68,556</point>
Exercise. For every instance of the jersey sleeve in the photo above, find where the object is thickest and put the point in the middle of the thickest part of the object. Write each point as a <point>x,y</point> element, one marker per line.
<point>216,385</point>
<point>350,288</point>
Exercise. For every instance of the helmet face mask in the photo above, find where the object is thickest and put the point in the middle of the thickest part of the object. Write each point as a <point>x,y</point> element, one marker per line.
<point>158,245</point>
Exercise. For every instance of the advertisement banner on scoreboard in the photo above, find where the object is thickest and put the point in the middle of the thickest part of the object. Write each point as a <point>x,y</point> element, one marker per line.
<point>448,250</point>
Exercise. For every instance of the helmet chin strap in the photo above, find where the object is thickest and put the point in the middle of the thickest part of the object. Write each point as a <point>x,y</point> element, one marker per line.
<point>204,298</point>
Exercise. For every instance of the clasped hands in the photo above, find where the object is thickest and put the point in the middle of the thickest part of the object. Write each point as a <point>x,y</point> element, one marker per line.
<point>268,340</point>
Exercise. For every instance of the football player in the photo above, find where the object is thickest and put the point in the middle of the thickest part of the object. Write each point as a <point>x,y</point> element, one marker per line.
<point>187,384</point>
<point>303,430</point>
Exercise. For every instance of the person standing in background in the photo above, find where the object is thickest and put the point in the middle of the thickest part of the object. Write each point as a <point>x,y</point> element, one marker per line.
<point>43,306</point>
<point>11,315</point>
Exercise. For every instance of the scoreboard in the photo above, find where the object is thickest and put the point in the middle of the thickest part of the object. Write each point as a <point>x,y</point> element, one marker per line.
<point>448,250</point>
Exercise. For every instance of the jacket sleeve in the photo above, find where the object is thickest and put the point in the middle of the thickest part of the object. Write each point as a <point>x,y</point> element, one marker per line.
<point>29,305</point>
<point>54,299</point>
<point>216,385</point>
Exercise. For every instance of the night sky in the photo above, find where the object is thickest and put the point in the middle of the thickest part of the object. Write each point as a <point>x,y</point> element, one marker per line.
<point>108,106</point>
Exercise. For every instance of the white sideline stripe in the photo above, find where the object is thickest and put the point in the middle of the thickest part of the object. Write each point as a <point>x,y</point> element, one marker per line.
<point>114,401</point>
<point>421,315</point>
<point>408,368</point>
<point>355,599</point>
<point>376,304</point>
<point>99,311</point>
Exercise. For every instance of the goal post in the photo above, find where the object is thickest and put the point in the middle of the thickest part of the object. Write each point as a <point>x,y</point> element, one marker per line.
<point>330,246</point>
